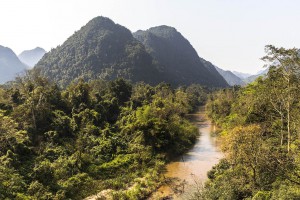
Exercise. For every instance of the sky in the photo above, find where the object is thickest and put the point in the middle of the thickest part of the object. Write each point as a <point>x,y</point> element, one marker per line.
<point>231,34</point>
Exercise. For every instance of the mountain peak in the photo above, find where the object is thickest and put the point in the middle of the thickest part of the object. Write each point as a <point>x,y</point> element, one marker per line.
<point>2,47</point>
<point>39,49</point>
<point>36,49</point>
<point>163,28</point>
<point>100,49</point>
<point>166,32</point>
<point>178,59</point>
<point>106,50</point>
<point>103,23</point>
<point>100,23</point>
<point>31,57</point>
<point>6,50</point>
<point>102,20</point>
<point>10,65</point>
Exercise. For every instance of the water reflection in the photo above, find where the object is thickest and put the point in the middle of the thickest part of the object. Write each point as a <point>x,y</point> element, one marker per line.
<point>194,165</point>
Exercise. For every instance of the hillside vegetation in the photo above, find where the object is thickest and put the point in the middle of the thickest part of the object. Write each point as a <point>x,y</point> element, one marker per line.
<point>261,135</point>
<point>72,143</point>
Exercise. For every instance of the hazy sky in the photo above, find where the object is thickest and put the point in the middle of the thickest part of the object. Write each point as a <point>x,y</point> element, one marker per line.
<point>229,33</point>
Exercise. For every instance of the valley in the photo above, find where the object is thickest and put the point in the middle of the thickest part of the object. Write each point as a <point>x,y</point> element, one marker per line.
<point>158,107</point>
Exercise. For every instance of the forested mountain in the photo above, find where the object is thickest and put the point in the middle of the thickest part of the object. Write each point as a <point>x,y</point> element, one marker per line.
<point>31,57</point>
<point>178,61</point>
<point>103,49</point>
<point>100,49</point>
<point>230,77</point>
<point>10,65</point>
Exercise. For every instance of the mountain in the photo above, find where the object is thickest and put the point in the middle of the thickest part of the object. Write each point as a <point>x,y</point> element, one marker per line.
<point>262,71</point>
<point>105,50</point>
<point>31,57</point>
<point>241,75</point>
<point>176,58</point>
<point>258,74</point>
<point>100,49</point>
<point>10,65</point>
<point>230,77</point>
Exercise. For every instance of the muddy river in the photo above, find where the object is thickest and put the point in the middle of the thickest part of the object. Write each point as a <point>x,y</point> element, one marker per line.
<point>190,170</point>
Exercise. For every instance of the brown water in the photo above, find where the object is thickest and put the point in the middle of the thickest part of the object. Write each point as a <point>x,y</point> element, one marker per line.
<point>191,168</point>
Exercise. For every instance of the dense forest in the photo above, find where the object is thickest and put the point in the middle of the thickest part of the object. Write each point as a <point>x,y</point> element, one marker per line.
<point>90,137</point>
<point>116,136</point>
<point>260,134</point>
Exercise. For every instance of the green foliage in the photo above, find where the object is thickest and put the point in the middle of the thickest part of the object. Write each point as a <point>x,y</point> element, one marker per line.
<point>72,143</point>
<point>260,135</point>
<point>11,182</point>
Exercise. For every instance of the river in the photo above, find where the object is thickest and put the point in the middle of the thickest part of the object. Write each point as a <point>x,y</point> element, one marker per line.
<point>191,168</point>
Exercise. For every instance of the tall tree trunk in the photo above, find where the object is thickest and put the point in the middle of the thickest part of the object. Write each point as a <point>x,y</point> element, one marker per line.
<point>33,118</point>
<point>288,126</point>
<point>288,115</point>
<point>281,131</point>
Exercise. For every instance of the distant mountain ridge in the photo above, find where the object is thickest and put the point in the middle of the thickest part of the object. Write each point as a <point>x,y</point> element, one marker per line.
<point>255,76</point>
<point>31,57</point>
<point>241,74</point>
<point>230,77</point>
<point>177,59</point>
<point>10,65</point>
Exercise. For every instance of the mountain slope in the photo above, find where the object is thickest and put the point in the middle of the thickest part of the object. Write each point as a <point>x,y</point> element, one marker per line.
<point>10,65</point>
<point>31,57</point>
<point>100,49</point>
<point>241,75</point>
<point>177,59</point>
<point>253,77</point>
<point>230,77</point>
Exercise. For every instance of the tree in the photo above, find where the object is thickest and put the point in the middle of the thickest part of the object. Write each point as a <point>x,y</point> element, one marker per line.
<point>78,94</point>
<point>12,183</point>
<point>244,146</point>
<point>121,90</point>
<point>10,136</point>
<point>287,64</point>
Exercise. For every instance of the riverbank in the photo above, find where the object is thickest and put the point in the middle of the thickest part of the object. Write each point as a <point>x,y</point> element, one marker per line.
<point>187,172</point>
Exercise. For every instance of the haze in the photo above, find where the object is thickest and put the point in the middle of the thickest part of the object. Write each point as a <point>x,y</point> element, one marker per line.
<point>229,33</point>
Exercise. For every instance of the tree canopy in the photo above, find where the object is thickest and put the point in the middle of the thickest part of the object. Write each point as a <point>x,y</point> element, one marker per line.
<point>89,137</point>
<point>261,135</point>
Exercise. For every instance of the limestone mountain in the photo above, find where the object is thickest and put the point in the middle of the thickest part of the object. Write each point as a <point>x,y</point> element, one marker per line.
<point>177,59</point>
<point>10,65</point>
<point>230,77</point>
<point>100,49</point>
<point>31,57</point>
<point>105,50</point>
